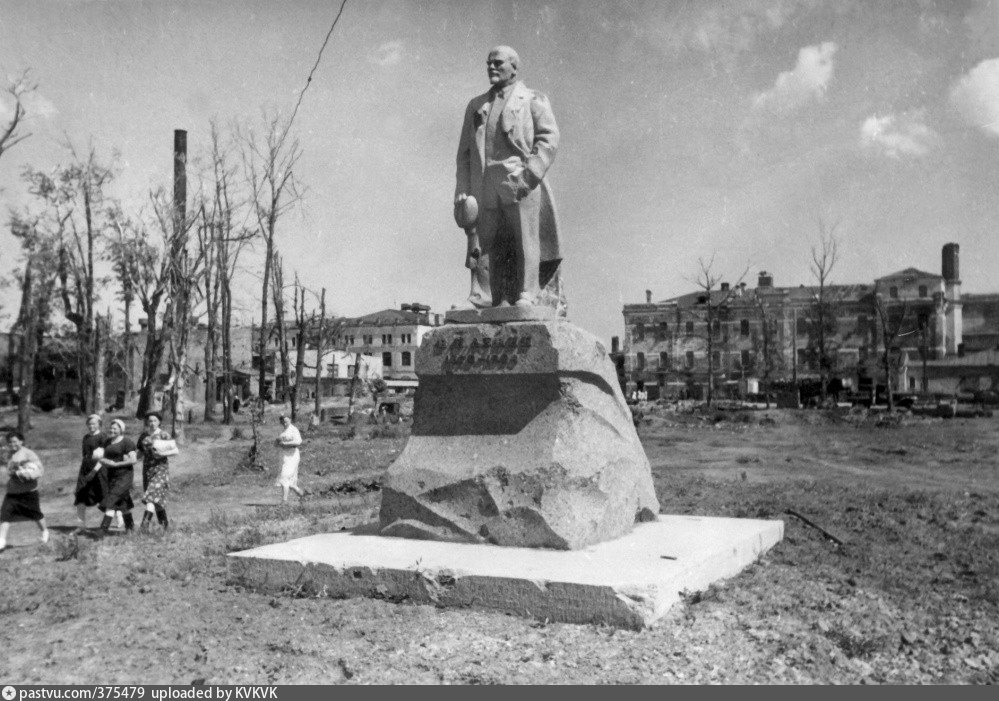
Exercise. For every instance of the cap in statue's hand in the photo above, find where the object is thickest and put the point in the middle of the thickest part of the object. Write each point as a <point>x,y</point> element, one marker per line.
<point>466,212</point>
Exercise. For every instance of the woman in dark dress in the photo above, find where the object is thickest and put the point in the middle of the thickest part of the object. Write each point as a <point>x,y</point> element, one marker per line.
<point>155,473</point>
<point>92,482</point>
<point>119,460</point>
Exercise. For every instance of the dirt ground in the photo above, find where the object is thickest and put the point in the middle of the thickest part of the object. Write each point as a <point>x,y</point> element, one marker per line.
<point>912,595</point>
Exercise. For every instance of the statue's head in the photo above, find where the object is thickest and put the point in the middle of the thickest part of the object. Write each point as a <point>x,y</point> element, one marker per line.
<point>501,65</point>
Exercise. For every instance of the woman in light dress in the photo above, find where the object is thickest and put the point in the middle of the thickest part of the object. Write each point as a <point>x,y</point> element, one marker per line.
<point>288,441</point>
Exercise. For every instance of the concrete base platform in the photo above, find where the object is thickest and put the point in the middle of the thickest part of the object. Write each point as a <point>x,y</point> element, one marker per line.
<point>629,582</point>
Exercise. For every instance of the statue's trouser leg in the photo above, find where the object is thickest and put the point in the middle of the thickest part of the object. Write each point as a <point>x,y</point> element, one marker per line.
<point>484,293</point>
<point>524,218</point>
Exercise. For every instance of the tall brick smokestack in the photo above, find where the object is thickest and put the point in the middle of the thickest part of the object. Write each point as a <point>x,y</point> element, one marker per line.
<point>179,178</point>
<point>950,270</point>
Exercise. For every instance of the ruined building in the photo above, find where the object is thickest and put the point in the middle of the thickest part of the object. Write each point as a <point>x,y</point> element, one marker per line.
<point>770,335</point>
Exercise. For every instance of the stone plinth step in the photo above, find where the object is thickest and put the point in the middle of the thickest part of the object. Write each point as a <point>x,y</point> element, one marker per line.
<point>628,582</point>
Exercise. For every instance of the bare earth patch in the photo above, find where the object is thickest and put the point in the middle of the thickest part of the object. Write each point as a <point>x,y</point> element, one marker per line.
<point>912,596</point>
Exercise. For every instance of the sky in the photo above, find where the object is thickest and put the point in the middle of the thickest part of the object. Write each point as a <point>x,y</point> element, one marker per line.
<point>693,130</point>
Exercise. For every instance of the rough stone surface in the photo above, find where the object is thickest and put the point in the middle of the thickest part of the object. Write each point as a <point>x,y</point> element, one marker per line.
<point>521,437</point>
<point>628,582</point>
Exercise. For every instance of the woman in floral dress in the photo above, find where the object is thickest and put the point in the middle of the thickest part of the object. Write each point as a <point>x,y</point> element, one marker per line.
<point>155,473</point>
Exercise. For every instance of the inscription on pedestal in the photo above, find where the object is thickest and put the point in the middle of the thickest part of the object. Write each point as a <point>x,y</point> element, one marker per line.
<point>500,353</point>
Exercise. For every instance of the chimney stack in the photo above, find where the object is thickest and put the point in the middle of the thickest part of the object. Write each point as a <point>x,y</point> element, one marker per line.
<point>615,344</point>
<point>950,269</point>
<point>179,178</point>
<point>765,279</point>
<point>648,296</point>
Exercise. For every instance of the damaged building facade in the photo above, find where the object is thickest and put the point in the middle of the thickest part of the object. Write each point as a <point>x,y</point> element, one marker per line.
<point>748,339</point>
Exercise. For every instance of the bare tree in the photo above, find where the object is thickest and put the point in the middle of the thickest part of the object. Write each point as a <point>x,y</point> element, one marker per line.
<point>146,268</point>
<point>770,353</point>
<point>280,331</point>
<point>301,323</point>
<point>37,282</point>
<point>73,197</point>
<point>320,349</point>
<point>891,320</point>
<point>269,164</point>
<point>226,240</point>
<point>11,130</point>
<point>710,309</point>
<point>183,284</point>
<point>124,259</point>
<point>821,314</point>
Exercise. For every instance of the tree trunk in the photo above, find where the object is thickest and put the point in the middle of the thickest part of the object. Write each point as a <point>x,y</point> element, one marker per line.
<point>268,254</point>
<point>320,343</point>
<point>353,386</point>
<point>129,350</point>
<point>101,333</point>
<point>299,347</point>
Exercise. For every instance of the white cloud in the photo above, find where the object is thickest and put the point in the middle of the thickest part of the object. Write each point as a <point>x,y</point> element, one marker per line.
<point>807,82</point>
<point>897,135</point>
<point>388,54</point>
<point>976,96</point>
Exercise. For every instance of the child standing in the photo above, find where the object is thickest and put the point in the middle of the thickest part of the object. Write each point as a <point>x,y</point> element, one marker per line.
<point>21,502</point>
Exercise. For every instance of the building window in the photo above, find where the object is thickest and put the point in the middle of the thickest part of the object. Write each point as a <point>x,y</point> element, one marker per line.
<point>406,339</point>
<point>923,292</point>
<point>893,292</point>
<point>640,358</point>
<point>802,356</point>
<point>689,327</point>
<point>747,358</point>
<point>351,370</point>
<point>689,358</point>
<point>716,326</point>
<point>716,358</point>
<point>386,360</point>
<point>386,339</point>
<point>349,340</point>
<point>662,331</point>
<point>368,339</point>
<point>639,332</point>
<point>407,359</point>
<point>663,360</point>
<point>744,327</point>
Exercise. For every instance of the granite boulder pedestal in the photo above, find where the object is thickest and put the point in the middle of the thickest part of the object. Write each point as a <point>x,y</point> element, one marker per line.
<point>518,491</point>
<point>521,437</point>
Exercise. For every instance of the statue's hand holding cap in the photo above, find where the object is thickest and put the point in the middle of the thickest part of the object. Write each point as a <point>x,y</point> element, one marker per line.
<point>466,212</point>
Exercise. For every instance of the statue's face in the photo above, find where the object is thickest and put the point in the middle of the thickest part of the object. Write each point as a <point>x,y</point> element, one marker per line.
<point>500,68</point>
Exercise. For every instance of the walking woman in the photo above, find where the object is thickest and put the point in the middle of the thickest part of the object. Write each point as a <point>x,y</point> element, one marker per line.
<point>155,473</point>
<point>119,459</point>
<point>92,482</point>
<point>21,502</point>
<point>288,441</point>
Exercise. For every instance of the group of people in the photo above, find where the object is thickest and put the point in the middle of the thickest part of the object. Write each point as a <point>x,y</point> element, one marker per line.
<point>107,473</point>
<point>105,481</point>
